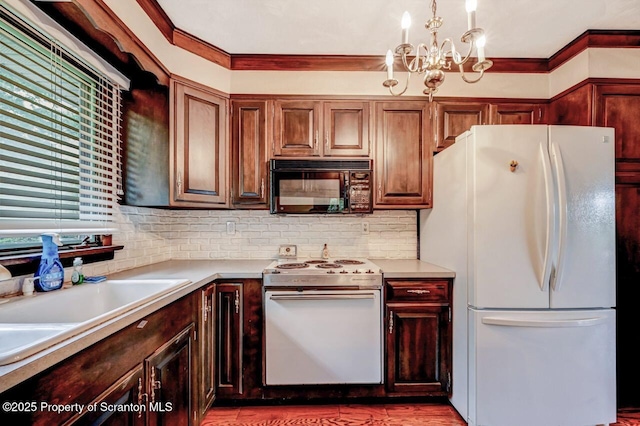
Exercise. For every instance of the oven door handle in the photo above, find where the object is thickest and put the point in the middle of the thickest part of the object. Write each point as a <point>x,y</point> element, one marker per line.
<point>326,296</point>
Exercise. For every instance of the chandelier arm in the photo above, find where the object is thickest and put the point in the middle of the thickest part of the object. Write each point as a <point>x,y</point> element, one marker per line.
<point>406,86</point>
<point>410,66</point>
<point>453,53</point>
<point>467,80</point>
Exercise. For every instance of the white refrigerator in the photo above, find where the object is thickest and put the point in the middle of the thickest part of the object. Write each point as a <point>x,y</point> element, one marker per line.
<point>525,216</point>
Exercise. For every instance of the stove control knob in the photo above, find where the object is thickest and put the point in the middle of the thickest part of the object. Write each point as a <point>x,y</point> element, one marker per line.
<point>275,271</point>
<point>357,272</point>
<point>343,272</point>
<point>369,271</point>
<point>331,272</point>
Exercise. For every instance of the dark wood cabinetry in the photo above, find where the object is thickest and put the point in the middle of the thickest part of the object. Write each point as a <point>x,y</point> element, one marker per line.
<point>517,113</point>
<point>346,129</point>
<point>207,354</point>
<point>199,148</point>
<point>239,339</point>
<point>250,137</point>
<point>454,118</point>
<point>314,128</point>
<point>297,126</point>
<point>418,337</point>
<point>403,155</point>
<point>229,339</point>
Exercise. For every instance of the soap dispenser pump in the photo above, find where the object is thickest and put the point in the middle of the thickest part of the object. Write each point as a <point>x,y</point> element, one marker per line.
<point>50,273</point>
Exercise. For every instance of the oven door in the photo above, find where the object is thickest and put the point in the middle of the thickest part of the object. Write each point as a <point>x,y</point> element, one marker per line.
<point>323,337</point>
<point>309,192</point>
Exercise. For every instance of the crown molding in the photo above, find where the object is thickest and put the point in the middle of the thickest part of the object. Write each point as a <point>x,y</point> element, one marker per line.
<point>249,62</point>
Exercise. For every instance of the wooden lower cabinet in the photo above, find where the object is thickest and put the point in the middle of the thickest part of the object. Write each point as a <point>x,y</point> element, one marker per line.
<point>239,339</point>
<point>207,355</point>
<point>418,337</point>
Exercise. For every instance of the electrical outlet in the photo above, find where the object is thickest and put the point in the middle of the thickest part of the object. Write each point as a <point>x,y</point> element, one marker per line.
<point>231,228</point>
<point>365,228</point>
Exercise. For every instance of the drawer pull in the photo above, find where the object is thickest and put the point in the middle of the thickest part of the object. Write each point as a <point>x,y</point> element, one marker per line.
<point>419,291</point>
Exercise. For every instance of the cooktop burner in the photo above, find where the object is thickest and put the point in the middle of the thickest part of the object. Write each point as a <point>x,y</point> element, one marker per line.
<point>292,265</point>
<point>315,262</point>
<point>329,266</point>
<point>349,262</point>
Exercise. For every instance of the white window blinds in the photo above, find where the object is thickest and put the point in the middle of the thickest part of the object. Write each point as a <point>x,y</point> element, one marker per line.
<point>60,151</point>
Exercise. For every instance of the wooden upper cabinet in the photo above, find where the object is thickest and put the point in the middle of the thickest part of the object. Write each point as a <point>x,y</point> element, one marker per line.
<point>199,146</point>
<point>249,133</point>
<point>297,128</point>
<point>518,113</point>
<point>346,129</point>
<point>618,106</point>
<point>403,155</point>
<point>455,118</point>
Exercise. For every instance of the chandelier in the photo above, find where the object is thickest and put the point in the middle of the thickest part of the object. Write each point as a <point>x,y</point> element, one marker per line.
<point>433,58</point>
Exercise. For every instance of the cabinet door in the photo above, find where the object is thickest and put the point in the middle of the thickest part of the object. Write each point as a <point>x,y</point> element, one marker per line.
<point>403,155</point>
<point>618,106</point>
<point>516,113</point>
<point>207,348</point>
<point>171,378</point>
<point>296,128</point>
<point>199,148</point>
<point>249,143</point>
<point>346,129</point>
<point>455,118</point>
<point>229,347</point>
<point>418,349</point>
<point>125,393</point>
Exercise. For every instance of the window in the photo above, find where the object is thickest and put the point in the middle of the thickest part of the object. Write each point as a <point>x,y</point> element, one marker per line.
<point>59,139</point>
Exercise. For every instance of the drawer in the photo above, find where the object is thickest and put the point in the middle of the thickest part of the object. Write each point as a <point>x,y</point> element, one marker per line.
<point>418,291</point>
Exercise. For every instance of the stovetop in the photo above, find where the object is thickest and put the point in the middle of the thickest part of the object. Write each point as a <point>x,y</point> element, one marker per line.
<point>323,272</point>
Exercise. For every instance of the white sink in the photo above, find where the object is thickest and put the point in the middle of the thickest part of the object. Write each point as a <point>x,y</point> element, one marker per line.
<point>31,324</point>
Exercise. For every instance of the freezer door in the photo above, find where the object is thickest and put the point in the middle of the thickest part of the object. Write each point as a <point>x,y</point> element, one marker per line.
<point>510,216</point>
<point>584,268</point>
<point>542,368</point>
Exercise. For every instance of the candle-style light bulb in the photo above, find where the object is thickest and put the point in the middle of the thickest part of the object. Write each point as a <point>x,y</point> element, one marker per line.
<point>471,6</point>
<point>389,61</point>
<point>405,24</point>
<point>480,43</point>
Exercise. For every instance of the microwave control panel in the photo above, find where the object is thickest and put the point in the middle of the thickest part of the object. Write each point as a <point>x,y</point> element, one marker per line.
<point>360,191</point>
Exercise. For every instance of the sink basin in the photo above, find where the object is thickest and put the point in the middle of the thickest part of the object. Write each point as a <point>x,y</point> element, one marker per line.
<point>31,324</point>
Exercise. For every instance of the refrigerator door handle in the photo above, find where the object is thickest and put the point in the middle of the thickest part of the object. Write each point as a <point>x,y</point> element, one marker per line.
<point>549,196</point>
<point>562,215</point>
<point>512,322</point>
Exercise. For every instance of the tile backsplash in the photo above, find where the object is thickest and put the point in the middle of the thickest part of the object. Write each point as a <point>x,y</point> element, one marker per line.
<point>155,235</point>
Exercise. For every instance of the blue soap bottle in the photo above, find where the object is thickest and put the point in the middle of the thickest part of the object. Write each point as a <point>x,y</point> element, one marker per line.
<point>50,273</point>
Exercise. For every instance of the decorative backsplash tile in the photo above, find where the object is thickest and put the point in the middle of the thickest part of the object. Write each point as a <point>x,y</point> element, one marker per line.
<point>155,235</point>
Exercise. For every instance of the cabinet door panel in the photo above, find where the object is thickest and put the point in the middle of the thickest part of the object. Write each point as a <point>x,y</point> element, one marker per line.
<point>346,129</point>
<point>296,128</point>
<point>249,154</point>
<point>207,348</point>
<point>199,146</point>
<point>170,377</point>
<point>618,106</point>
<point>417,348</point>
<point>517,113</point>
<point>455,118</point>
<point>403,161</point>
<point>230,335</point>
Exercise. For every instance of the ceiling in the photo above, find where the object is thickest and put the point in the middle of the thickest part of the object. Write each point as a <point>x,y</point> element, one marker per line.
<point>514,28</point>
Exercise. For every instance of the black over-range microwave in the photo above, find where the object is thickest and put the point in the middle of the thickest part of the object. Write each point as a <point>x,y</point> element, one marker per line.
<point>321,186</point>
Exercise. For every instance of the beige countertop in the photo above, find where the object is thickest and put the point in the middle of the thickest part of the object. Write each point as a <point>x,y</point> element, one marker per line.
<point>200,273</point>
<point>413,268</point>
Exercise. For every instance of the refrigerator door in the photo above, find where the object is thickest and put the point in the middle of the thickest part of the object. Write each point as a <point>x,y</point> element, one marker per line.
<point>542,368</point>
<point>584,266</point>
<point>511,216</point>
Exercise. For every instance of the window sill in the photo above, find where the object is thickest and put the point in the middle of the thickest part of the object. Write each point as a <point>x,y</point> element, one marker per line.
<point>25,264</point>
